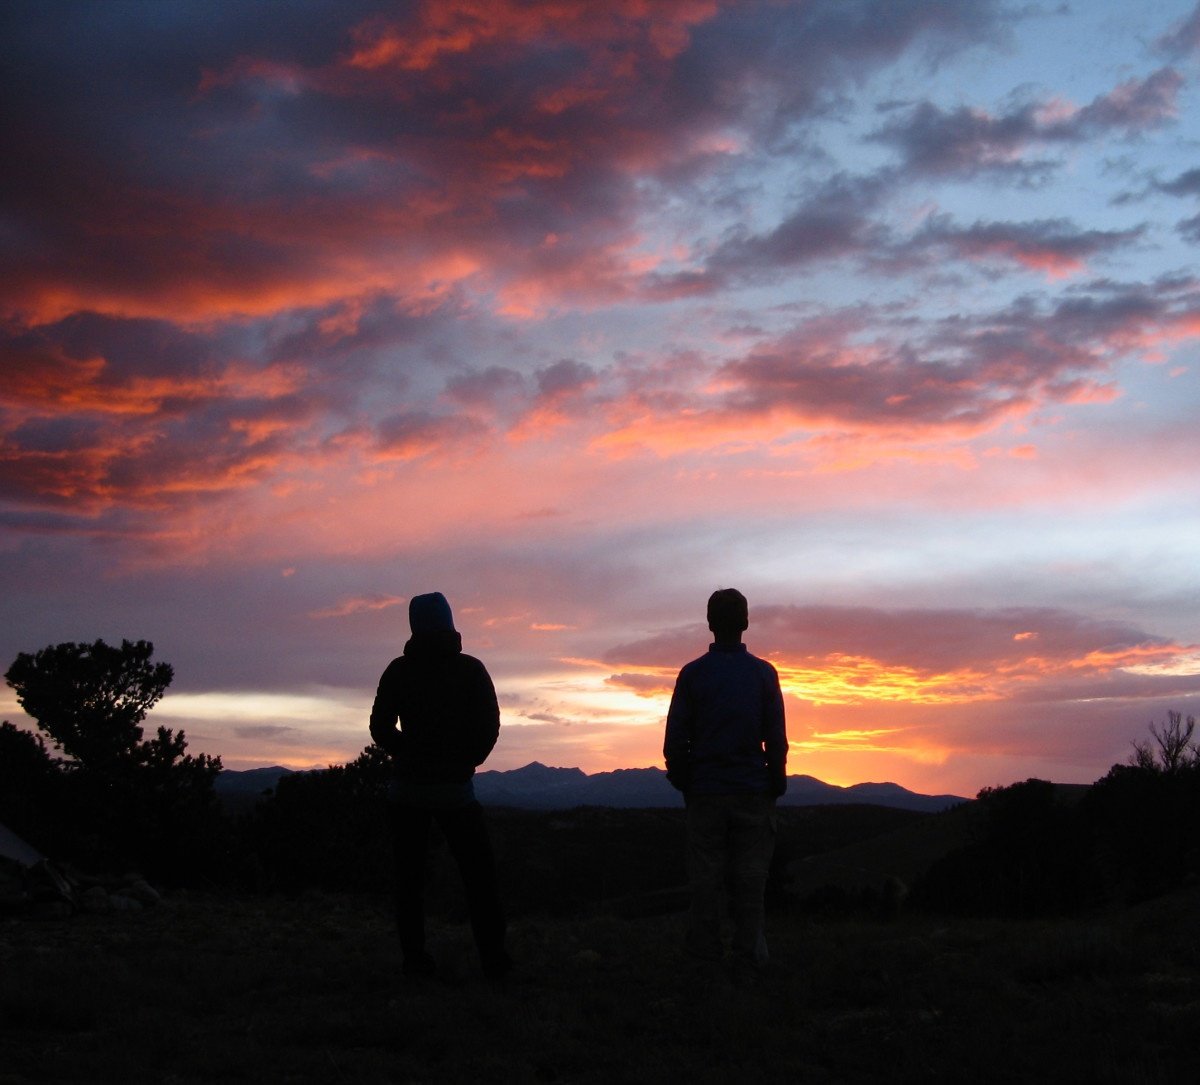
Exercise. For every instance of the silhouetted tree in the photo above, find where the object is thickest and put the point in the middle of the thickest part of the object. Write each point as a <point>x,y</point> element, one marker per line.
<point>91,698</point>
<point>129,799</point>
<point>1029,856</point>
<point>1173,750</point>
<point>325,828</point>
<point>1144,814</point>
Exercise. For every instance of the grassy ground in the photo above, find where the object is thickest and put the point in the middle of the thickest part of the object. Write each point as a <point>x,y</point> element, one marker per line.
<point>226,989</point>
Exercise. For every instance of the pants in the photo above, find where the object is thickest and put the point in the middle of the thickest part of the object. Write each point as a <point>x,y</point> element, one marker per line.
<point>467,837</point>
<point>731,839</point>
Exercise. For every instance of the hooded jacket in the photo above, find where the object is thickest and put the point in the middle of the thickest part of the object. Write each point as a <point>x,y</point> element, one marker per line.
<point>446,706</point>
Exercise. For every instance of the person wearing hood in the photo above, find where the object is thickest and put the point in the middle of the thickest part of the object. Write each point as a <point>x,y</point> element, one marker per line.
<point>449,720</point>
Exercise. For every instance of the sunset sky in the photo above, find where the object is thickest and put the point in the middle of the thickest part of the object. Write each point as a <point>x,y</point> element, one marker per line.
<point>887,314</point>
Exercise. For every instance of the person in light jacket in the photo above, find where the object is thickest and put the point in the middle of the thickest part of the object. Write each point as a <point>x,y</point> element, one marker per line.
<point>726,750</point>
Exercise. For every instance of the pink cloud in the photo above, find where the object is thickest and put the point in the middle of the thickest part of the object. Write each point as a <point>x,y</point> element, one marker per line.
<point>358,604</point>
<point>859,654</point>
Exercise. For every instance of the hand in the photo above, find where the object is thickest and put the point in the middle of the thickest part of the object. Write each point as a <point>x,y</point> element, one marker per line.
<point>678,778</point>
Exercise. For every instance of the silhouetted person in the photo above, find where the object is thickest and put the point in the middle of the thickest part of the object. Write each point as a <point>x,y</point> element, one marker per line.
<point>726,750</point>
<point>449,722</point>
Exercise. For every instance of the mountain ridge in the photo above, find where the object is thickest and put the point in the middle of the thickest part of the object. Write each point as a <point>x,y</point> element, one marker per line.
<point>537,786</point>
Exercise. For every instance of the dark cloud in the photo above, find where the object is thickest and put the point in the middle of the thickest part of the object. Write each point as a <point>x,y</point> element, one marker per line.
<point>1189,229</point>
<point>413,434</point>
<point>962,142</point>
<point>866,371</point>
<point>564,378</point>
<point>878,391</point>
<point>487,388</point>
<point>785,62</point>
<point>1186,184</point>
<point>102,411</point>
<point>834,221</point>
<point>842,219</point>
<point>1056,246</point>
<point>966,142</point>
<point>274,732</point>
<point>231,159</point>
<point>1183,38</point>
<point>1136,105</point>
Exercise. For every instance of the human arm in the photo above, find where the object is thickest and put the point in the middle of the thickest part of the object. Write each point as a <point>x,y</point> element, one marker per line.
<point>677,742</point>
<point>775,742</point>
<point>385,712</point>
<point>485,715</point>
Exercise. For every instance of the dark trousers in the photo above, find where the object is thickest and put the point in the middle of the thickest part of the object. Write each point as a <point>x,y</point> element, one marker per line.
<point>731,839</point>
<point>466,836</point>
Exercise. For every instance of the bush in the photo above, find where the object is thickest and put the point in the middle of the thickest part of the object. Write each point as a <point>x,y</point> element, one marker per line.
<point>114,799</point>
<point>1144,824</point>
<point>324,829</point>
<point>1030,856</point>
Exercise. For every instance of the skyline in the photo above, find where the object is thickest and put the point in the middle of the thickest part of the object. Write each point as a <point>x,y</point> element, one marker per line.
<point>884,313</point>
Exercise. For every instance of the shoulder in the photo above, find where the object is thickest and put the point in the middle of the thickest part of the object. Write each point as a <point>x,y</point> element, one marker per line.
<point>473,665</point>
<point>393,668</point>
<point>765,666</point>
<point>697,664</point>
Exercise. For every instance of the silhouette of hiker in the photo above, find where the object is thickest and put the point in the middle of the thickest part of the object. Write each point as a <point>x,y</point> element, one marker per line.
<point>449,722</point>
<point>726,750</point>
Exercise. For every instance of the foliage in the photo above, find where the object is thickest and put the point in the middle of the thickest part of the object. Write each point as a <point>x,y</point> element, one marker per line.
<point>30,785</point>
<point>1133,835</point>
<point>1029,856</point>
<point>1144,818</point>
<point>91,698</point>
<point>114,799</point>
<point>325,828</point>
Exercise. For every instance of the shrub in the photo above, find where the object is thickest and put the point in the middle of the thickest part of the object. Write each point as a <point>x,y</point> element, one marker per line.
<point>1029,856</point>
<point>113,799</point>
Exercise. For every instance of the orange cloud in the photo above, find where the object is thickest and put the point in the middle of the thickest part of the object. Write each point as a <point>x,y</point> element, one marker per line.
<point>60,384</point>
<point>359,604</point>
<point>844,679</point>
<point>446,31</point>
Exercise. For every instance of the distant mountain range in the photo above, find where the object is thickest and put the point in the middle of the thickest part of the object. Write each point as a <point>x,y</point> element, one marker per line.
<point>540,787</point>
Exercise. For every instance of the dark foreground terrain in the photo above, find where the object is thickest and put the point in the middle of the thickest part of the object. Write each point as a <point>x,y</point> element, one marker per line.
<point>228,988</point>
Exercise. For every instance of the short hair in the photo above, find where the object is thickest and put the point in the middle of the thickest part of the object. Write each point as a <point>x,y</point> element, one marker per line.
<point>728,609</point>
